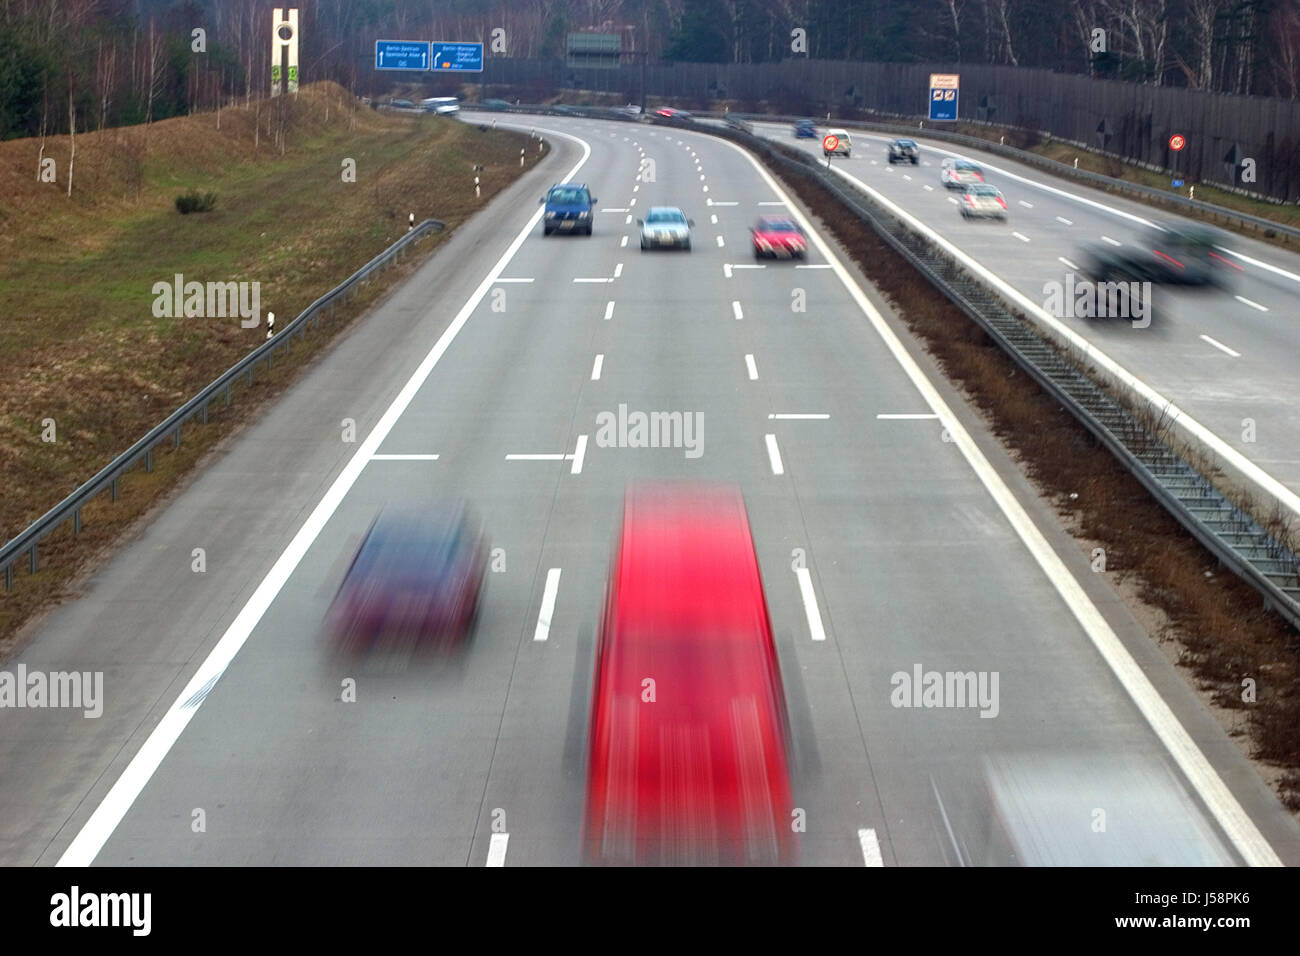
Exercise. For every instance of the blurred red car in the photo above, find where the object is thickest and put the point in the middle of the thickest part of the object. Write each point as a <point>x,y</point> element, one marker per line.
<point>689,748</point>
<point>778,237</point>
<point>416,576</point>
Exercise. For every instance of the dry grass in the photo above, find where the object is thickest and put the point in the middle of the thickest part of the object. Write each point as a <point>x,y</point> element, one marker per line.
<point>81,345</point>
<point>1220,619</point>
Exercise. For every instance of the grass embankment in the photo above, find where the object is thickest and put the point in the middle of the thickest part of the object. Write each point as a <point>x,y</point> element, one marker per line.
<point>1217,619</point>
<point>80,342</point>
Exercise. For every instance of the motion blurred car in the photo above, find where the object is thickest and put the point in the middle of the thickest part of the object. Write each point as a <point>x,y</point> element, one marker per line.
<point>402,105</point>
<point>568,209</point>
<point>983,201</point>
<point>959,173</point>
<point>778,237</point>
<point>689,749</point>
<point>904,151</point>
<point>494,105</point>
<point>665,227</point>
<point>844,143</point>
<point>668,112</point>
<point>1173,253</point>
<point>805,129</point>
<point>415,578</point>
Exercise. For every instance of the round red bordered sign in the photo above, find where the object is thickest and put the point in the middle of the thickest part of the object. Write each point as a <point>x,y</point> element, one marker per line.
<point>1177,142</point>
<point>830,143</point>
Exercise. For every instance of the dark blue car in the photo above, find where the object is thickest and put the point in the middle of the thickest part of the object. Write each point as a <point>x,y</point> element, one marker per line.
<point>568,209</point>
<point>805,129</point>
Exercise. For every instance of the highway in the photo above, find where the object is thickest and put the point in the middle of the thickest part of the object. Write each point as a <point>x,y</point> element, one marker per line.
<point>226,740</point>
<point>1227,358</point>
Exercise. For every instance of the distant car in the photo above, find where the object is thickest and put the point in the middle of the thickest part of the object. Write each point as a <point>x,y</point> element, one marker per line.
<point>698,773</point>
<point>904,151</point>
<point>668,112</point>
<point>665,227</point>
<point>564,109</point>
<point>1173,253</point>
<point>403,105</point>
<point>441,105</point>
<point>959,173</point>
<point>983,200</point>
<point>843,143</point>
<point>494,105</point>
<point>568,209</point>
<point>805,129</point>
<point>630,110</point>
<point>778,237</point>
<point>416,574</point>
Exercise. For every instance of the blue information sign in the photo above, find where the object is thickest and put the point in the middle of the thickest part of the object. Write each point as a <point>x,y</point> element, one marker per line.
<point>1177,183</point>
<point>401,55</point>
<point>457,57</point>
<point>944,90</point>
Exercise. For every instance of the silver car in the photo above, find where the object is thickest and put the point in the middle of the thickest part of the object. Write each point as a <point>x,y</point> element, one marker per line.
<point>665,227</point>
<point>983,200</point>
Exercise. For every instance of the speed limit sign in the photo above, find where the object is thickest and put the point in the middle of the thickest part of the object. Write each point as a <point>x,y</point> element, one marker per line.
<point>830,143</point>
<point>1177,142</point>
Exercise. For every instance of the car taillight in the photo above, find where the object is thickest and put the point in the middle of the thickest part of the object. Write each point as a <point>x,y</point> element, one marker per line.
<point>1002,202</point>
<point>979,176</point>
<point>970,199</point>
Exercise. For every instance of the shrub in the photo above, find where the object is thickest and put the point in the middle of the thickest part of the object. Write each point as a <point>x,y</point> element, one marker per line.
<point>194,201</point>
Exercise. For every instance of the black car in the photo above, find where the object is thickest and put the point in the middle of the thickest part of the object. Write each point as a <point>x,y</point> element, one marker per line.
<point>1174,253</point>
<point>904,150</point>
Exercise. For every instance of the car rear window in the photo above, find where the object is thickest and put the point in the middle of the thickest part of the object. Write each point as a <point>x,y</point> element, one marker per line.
<point>569,196</point>
<point>968,167</point>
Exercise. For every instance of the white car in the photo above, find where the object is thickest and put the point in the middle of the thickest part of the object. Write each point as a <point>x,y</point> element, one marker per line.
<point>981,199</point>
<point>665,227</point>
<point>960,173</point>
<point>844,146</point>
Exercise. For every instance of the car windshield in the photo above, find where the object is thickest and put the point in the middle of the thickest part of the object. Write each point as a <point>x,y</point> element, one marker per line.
<point>569,196</point>
<point>776,225</point>
<point>665,216</point>
<point>906,143</point>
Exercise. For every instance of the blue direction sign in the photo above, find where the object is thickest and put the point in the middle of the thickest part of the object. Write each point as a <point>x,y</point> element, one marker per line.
<point>944,92</point>
<point>1177,183</point>
<point>401,55</point>
<point>457,57</point>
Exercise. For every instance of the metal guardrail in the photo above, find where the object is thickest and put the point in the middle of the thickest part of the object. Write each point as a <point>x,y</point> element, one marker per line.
<point>109,477</point>
<point>1227,532</point>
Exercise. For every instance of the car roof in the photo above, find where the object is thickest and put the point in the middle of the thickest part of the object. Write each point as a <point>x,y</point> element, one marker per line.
<point>838,132</point>
<point>776,220</point>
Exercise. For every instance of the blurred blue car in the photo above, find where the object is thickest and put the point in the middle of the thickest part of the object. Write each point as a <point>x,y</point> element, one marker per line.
<point>417,574</point>
<point>805,129</point>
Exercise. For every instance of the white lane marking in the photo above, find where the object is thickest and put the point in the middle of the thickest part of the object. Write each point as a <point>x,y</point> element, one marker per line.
<point>749,364</point>
<point>953,201</point>
<point>616,209</point>
<point>798,416</point>
<point>815,265</point>
<point>720,242</point>
<point>706,188</point>
<point>774,455</point>
<point>618,270</point>
<point>715,202</point>
<point>115,805</point>
<point>928,188</point>
<point>499,281</point>
<point>905,416</point>
<point>701,177</point>
<point>748,265</point>
<point>1113,242</point>
<point>907,177</point>
<point>1020,237</point>
<point>547,611</point>
<point>1067,262</point>
<point>1027,205</point>
<point>403,457</point>
<point>636,189</point>
<point>1232,818</point>
<point>771,202</point>
<point>1068,222</point>
<point>1253,305</point>
<point>579,453</point>
<point>713,218</point>
<point>870,848</point>
<point>497,849</point>
<point>1220,346</point>
<point>810,608</point>
<point>594,280</point>
<point>631,204</point>
<point>541,457</point>
<point>623,243</point>
<point>735,309</point>
<point>726,269</point>
<point>609,310</point>
<point>596,366</point>
<point>627,221</point>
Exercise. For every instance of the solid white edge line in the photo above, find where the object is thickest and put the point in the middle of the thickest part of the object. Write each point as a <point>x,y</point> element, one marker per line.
<point>810,608</point>
<point>497,849</point>
<point>774,455</point>
<point>735,309</point>
<point>579,453</point>
<point>97,830</point>
<point>1237,825</point>
<point>596,366</point>
<point>547,610</point>
<point>870,848</point>
<point>1220,346</point>
<point>751,367</point>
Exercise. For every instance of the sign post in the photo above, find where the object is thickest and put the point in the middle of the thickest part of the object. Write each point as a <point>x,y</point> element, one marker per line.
<point>944,95</point>
<point>830,143</point>
<point>1176,143</point>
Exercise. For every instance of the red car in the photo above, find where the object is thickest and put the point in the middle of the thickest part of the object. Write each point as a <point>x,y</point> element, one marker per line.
<point>778,237</point>
<point>689,759</point>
